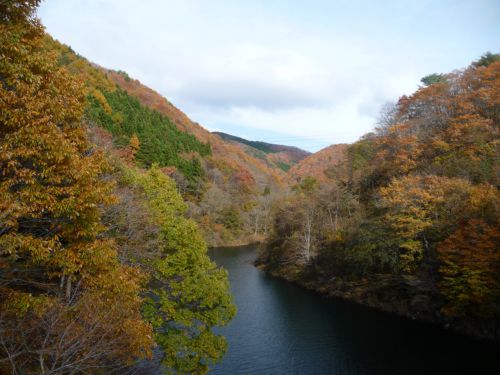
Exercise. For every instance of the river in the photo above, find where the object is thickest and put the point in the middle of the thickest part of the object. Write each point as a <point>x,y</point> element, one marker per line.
<point>281,328</point>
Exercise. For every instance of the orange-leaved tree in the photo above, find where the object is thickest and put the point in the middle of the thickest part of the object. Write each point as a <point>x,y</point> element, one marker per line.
<point>470,257</point>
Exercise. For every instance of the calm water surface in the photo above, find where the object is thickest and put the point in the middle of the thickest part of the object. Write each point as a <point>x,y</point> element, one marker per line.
<point>283,329</point>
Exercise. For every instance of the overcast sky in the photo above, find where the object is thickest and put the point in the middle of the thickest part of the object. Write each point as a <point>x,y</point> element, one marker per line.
<point>307,73</point>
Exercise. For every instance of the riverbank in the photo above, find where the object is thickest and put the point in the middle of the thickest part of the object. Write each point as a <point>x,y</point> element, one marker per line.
<point>402,296</point>
<point>215,240</point>
<point>282,328</point>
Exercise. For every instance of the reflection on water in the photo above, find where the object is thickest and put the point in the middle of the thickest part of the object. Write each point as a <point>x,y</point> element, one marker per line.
<point>283,329</point>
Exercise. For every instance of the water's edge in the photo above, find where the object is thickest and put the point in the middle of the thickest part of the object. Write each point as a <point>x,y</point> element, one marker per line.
<point>368,296</point>
<point>281,327</point>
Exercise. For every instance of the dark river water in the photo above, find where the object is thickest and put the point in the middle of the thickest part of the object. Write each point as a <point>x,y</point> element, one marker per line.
<point>283,329</point>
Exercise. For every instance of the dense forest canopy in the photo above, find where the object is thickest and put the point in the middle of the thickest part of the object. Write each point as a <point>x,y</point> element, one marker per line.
<point>98,263</point>
<point>109,195</point>
<point>413,207</point>
<point>151,136</point>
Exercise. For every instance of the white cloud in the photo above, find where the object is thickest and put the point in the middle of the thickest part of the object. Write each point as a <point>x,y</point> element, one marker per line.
<point>296,68</point>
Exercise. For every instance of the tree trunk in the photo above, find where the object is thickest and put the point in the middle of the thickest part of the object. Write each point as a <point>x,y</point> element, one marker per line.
<point>68,288</point>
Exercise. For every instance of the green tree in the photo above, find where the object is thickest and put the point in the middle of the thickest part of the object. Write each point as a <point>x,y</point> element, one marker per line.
<point>433,78</point>
<point>306,186</point>
<point>190,294</point>
<point>132,123</point>
<point>487,59</point>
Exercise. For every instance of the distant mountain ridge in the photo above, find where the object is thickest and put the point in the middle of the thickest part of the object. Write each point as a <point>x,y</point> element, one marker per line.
<point>264,146</point>
<point>282,156</point>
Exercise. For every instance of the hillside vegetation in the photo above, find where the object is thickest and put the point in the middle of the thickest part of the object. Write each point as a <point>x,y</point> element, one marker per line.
<point>319,165</point>
<point>277,156</point>
<point>99,266</point>
<point>110,195</point>
<point>224,185</point>
<point>152,137</point>
<point>407,218</point>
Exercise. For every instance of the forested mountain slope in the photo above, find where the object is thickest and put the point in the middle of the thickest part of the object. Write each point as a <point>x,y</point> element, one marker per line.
<point>223,185</point>
<point>99,265</point>
<point>409,219</point>
<point>319,165</point>
<point>277,156</point>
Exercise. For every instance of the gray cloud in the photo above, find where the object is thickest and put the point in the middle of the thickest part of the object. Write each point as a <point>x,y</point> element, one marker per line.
<point>267,97</point>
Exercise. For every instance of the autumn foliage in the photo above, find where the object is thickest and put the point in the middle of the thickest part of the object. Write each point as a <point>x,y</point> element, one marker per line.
<point>74,296</point>
<point>423,219</point>
<point>204,166</point>
<point>68,304</point>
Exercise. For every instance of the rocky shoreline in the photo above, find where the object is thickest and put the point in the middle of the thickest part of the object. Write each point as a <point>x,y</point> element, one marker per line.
<point>405,297</point>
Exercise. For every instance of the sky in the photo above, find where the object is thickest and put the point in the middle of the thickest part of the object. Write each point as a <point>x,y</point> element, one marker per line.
<point>304,73</point>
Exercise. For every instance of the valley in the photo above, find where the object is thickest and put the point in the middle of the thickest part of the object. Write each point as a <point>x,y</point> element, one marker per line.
<point>135,240</point>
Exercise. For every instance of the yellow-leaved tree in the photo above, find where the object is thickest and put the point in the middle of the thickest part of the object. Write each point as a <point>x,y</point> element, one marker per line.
<point>67,305</point>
